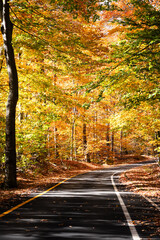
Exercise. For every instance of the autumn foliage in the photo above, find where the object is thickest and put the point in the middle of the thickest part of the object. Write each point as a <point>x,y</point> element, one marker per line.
<point>88,90</point>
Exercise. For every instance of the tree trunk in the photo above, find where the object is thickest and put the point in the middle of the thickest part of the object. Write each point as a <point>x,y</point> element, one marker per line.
<point>73,153</point>
<point>108,142</point>
<point>84,140</point>
<point>10,160</point>
<point>1,57</point>
<point>121,139</point>
<point>158,140</point>
<point>56,154</point>
<point>95,155</point>
<point>73,143</point>
<point>48,140</point>
<point>107,137</point>
<point>112,141</point>
<point>75,147</point>
<point>85,153</point>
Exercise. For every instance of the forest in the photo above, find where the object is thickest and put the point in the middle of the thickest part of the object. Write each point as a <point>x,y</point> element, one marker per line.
<point>79,80</point>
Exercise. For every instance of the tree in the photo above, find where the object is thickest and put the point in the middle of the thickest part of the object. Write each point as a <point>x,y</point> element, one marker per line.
<point>137,52</point>
<point>86,9</point>
<point>10,151</point>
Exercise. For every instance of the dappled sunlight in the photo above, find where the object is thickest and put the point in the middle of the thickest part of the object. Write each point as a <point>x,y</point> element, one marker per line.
<point>79,193</point>
<point>84,207</point>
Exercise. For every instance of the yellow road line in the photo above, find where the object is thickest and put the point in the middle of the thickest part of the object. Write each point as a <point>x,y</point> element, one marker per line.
<point>31,199</point>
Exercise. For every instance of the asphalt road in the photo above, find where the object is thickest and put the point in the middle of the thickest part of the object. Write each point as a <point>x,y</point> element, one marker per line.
<point>89,206</point>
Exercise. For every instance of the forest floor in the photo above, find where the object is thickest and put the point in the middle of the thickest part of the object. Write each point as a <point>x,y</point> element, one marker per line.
<point>143,180</point>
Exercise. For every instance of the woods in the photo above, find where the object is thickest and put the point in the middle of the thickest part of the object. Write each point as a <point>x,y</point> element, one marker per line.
<point>88,75</point>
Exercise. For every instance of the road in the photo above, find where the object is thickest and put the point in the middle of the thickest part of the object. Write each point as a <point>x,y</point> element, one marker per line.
<point>93,205</point>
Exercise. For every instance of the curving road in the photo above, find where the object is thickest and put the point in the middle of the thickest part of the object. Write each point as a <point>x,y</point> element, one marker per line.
<point>93,205</point>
